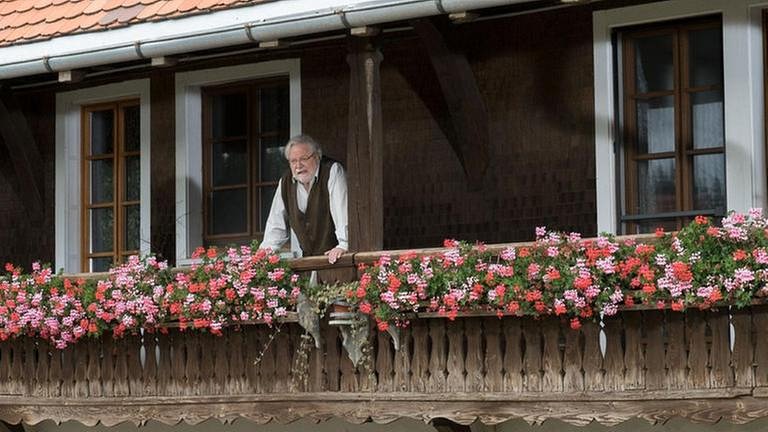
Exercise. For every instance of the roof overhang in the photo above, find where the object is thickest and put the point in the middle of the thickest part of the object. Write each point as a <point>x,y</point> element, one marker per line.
<point>260,22</point>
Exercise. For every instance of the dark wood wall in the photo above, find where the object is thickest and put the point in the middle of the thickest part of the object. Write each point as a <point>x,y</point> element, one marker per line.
<point>535,75</point>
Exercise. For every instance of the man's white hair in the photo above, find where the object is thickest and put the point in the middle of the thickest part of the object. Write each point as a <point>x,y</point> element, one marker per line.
<point>304,139</point>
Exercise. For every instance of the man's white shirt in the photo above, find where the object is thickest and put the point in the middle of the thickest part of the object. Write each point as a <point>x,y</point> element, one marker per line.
<point>276,233</point>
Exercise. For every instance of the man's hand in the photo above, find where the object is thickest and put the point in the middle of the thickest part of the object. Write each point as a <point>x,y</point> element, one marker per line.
<point>334,254</point>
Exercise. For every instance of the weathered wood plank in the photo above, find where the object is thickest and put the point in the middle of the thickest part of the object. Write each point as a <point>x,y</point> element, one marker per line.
<point>208,347</point>
<point>54,373</point>
<point>107,365</point>
<point>6,352</point>
<point>403,361</point>
<point>384,363</point>
<point>675,358</point>
<point>236,377</point>
<point>164,369</point>
<point>178,362</point>
<point>634,362</point>
<point>573,379</point>
<point>760,319</point>
<point>333,358</point>
<point>81,370</point>
<point>532,367</point>
<point>121,387</point>
<point>149,371</point>
<point>653,324</point>
<point>223,353</point>
<point>493,357</point>
<point>513,355</point>
<point>474,359</point>
<point>133,362</point>
<point>721,374</point>
<point>420,358</point>
<point>267,365</point>
<point>29,366</point>
<point>613,361</point>
<point>438,359</point>
<point>696,327</point>
<point>283,347</point>
<point>252,363</point>
<point>43,366</point>
<point>551,359</point>
<point>742,357</point>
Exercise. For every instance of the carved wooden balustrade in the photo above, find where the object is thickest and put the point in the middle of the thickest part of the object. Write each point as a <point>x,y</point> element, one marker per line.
<point>655,364</point>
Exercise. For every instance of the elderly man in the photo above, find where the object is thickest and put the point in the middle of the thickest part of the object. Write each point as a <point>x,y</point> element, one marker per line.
<point>311,199</point>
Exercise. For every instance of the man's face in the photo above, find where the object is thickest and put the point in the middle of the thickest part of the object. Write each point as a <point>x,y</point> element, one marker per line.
<point>303,163</point>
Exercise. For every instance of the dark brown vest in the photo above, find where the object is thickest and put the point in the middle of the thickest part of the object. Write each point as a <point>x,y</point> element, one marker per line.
<point>315,228</point>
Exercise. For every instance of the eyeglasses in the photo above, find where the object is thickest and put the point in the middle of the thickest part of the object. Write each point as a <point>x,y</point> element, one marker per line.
<point>302,160</point>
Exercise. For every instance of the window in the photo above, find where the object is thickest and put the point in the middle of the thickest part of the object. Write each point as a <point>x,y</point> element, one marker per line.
<point>111,179</point>
<point>245,128</point>
<point>673,152</point>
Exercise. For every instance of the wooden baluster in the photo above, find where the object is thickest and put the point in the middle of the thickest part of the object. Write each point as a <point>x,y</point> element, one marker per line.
<point>403,361</point>
<point>81,369</point>
<point>573,380</point>
<point>420,357</point>
<point>252,363</point>
<point>28,378</point>
<point>54,374</point>
<point>760,319</point>
<point>178,362</point>
<point>721,374</point>
<point>107,364</point>
<point>225,354</point>
<point>283,348</point>
<point>455,364</point>
<point>236,380</point>
<point>5,367</point>
<point>675,358</point>
<point>43,365</point>
<point>493,362</point>
<point>68,372</point>
<point>192,367</point>
<point>208,343</point>
<point>593,357</point>
<point>318,380</point>
<point>743,355</point>
<point>474,355</point>
<point>633,351</point>
<point>164,369</point>
<point>438,360</point>
<point>655,376</point>
<point>614,354</point>
<point>696,327</point>
<point>348,381</point>
<point>267,364</point>
<point>384,362</point>
<point>532,359</point>
<point>135,372</point>
<point>513,356</point>
<point>333,358</point>
<point>121,385</point>
<point>551,360</point>
<point>149,372</point>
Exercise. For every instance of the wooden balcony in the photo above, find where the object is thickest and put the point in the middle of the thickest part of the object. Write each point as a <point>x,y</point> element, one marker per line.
<point>653,365</point>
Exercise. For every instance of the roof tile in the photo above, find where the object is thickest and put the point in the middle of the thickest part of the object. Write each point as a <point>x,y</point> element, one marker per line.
<point>95,6</point>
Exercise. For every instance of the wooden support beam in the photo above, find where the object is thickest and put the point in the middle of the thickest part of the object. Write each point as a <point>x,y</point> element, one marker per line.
<point>365,147</point>
<point>466,107</point>
<point>24,154</point>
<point>164,61</point>
<point>71,76</point>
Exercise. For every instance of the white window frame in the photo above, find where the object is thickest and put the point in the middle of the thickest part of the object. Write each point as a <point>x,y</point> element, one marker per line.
<point>68,213</point>
<point>189,153</point>
<point>743,97</point>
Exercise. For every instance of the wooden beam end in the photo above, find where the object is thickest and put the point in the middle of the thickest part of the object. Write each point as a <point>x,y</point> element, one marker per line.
<point>364,31</point>
<point>462,17</point>
<point>164,61</point>
<point>71,76</point>
<point>273,44</point>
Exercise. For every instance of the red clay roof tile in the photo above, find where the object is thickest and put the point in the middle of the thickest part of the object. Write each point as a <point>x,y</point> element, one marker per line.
<point>31,20</point>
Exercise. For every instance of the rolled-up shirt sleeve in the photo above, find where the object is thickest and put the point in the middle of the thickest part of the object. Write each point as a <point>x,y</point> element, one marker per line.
<point>275,232</point>
<point>337,191</point>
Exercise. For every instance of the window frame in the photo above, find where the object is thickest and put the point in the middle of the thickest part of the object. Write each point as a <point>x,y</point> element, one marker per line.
<point>743,98</point>
<point>68,155</point>
<point>254,184</point>
<point>682,93</point>
<point>189,164</point>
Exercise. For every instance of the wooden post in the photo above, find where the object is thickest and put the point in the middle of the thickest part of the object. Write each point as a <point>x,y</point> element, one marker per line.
<point>364,147</point>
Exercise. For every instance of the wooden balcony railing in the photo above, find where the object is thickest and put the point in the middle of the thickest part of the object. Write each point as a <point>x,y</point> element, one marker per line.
<point>654,364</point>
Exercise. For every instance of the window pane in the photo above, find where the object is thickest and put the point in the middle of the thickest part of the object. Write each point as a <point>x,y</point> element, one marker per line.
<point>707,115</point>
<point>102,177</point>
<point>709,181</point>
<point>267,194</point>
<point>102,125</point>
<point>655,68</point>
<point>229,211</point>
<point>273,162</point>
<point>102,220</point>
<point>131,227</point>
<point>101,264</point>
<point>230,163</point>
<point>132,178</point>
<point>274,109</point>
<point>656,125</point>
<point>229,115</point>
<point>706,57</point>
<point>656,186</point>
<point>651,225</point>
<point>131,128</point>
